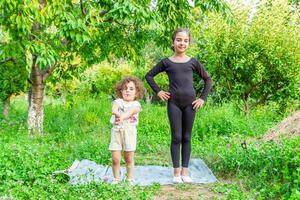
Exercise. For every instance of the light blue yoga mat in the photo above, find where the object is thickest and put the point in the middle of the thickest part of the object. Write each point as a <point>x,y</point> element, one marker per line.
<point>86,171</point>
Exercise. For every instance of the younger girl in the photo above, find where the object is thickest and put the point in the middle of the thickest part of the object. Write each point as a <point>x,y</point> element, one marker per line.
<point>181,97</point>
<point>124,118</point>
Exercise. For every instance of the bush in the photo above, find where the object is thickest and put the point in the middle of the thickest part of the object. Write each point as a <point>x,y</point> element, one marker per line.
<point>273,169</point>
<point>254,58</point>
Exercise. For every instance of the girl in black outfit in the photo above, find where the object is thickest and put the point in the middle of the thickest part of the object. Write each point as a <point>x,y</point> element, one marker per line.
<point>181,97</point>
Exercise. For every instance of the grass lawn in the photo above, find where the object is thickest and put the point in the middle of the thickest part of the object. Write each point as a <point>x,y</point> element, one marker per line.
<point>80,130</point>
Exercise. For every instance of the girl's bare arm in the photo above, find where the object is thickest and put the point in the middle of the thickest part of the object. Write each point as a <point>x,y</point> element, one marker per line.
<point>130,113</point>
<point>115,110</point>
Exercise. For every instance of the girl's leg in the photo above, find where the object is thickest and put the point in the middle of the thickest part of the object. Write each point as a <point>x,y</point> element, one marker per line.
<point>175,116</point>
<point>129,159</point>
<point>116,159</point>
<point>185,171</point>
<point>188,117</point>
<point>177,171</point>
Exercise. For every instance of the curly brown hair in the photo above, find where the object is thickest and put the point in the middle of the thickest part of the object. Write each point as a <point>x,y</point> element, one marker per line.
<point>121,85</point>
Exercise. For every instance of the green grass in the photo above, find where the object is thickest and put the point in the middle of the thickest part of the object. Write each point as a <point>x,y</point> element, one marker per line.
<point>80,130</point>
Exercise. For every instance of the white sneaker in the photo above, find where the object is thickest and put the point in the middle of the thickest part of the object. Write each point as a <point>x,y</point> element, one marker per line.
<point>177,179</point>
<point>187,179</point>
<point>115,181</point>
<point>130,181</point>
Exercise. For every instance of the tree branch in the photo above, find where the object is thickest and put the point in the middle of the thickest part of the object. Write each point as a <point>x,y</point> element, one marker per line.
<point>117,22</point>
<point>34,59</point>
<point>239,107</point>
<point>103,12</point>
<point>263,99</point>
<point>7,60</point>
<point>35,69</point>
<point>46,73</point>
<point>43,4</point>
<point>81,7</point>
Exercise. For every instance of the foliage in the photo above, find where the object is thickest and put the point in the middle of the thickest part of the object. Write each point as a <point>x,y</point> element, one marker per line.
<point>12,80</point>
<point>274,166</point>
<point>27,164</point>
<point>54,33</point>
<point>103,78</point>
<point>75,36</point>
<point>168,20</point>
<point>13,77</point>
<point>254,58</point>
<point>226,120</point>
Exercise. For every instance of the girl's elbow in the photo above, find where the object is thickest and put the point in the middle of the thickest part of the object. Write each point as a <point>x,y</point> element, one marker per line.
<point>148,77</point>
<point>209,80</point>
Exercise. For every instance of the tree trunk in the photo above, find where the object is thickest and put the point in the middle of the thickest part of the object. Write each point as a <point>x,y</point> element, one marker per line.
<point>35,118</point>
<point>244,107</point>
<point>6,105</point>
<point>35,98</point>
<point>247,109</point>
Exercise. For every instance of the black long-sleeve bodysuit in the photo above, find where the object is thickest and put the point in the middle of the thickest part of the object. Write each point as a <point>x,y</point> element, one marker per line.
<point>180,110</point>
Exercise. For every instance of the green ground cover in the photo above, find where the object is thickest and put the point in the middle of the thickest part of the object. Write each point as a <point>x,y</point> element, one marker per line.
<point>81,130</point>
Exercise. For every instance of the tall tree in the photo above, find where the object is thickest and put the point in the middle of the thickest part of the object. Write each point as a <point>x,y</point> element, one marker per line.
<point>255,58</point>
<point>52,32</point>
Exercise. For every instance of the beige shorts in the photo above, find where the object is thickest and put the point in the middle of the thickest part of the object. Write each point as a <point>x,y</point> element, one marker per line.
<point>123,139</point>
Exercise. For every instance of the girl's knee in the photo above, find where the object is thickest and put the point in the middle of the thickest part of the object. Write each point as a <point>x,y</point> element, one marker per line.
<point>177,139</point>
<point>129,159</point>
<point>186,139</point>
<point>116,160</point>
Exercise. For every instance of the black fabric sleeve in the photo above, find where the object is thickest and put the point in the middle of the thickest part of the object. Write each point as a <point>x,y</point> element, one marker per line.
<point>159,67</point>
<point>199,69</point>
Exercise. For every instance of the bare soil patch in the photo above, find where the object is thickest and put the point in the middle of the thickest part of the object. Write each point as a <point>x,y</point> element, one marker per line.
<point>187,191</point>
<point>289,127</point>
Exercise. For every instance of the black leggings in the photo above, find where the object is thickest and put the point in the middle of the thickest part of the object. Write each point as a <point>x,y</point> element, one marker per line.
<point>181,122</point>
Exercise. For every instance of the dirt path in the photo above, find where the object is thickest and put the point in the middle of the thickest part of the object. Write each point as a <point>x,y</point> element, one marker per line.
<point>187,191</point>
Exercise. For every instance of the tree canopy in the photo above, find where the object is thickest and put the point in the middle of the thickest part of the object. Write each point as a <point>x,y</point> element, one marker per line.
<point>52,33</point>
